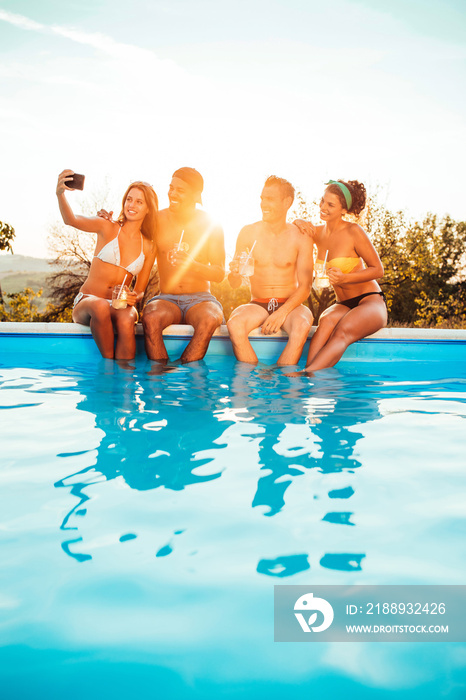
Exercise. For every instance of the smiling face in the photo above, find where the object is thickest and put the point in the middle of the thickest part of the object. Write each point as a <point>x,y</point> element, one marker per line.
<point>181,195</point>
<point>330,207</point>
<point>135,207</point>
<point>274,206</point>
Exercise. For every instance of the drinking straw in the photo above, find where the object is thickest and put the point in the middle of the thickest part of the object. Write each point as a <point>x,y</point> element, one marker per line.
<point>250,252</point>
<point>179,243</point>
<point>121,287</point>
<point>325,262</point>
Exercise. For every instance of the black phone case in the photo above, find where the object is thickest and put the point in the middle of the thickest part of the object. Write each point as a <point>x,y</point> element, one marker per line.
<point>76,183</point>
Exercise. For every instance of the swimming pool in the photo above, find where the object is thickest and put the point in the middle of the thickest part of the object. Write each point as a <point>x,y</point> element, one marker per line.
<point>146,517</point>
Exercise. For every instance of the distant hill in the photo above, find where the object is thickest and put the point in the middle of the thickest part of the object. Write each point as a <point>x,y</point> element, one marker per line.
<point>20,271</point>
<point>22,264</point>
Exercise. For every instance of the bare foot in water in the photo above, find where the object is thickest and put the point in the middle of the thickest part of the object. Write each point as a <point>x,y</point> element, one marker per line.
<point>161,367</point>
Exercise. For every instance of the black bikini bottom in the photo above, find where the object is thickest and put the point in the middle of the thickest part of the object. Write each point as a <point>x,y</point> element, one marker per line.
<point>354,301</point>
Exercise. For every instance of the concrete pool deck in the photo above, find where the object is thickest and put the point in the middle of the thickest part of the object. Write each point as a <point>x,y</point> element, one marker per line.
<point>386,344</point>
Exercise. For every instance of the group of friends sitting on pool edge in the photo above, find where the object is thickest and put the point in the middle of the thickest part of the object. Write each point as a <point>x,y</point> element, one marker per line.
<point>274,255</point>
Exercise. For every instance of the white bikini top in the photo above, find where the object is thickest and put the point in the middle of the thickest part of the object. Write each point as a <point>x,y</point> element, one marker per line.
<point>110,253</point>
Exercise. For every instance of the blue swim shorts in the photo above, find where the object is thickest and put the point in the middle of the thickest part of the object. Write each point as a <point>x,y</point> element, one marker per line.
<point>186,301</point>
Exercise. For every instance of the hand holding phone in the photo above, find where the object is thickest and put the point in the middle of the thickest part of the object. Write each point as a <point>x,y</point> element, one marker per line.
<point>75,182</point>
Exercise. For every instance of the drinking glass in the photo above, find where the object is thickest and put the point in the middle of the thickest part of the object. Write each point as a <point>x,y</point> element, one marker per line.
<point>246,265</point>
<point>321,280</point>
<point>120,296</point>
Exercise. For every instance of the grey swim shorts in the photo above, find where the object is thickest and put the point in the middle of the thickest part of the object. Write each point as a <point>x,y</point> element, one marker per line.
<point>186,301</point>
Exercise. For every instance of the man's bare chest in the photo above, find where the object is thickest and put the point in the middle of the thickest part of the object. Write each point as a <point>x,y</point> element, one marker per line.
<point>193,241</point>
<point>277,255</point>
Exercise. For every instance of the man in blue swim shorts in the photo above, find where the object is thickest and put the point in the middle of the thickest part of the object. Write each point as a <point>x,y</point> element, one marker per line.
<point>190,255</point>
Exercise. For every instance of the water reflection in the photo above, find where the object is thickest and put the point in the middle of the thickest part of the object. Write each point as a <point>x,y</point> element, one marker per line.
<point>156,430</point>
<point>321,431</point>
<point>185,426</point>
<point>307,424</point>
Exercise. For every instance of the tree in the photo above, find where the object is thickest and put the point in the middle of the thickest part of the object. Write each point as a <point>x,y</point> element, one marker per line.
<point>73,251</point>
<point>230,298</point>
<point>22,306</point>
<point>446,311</point>
<point>424,263</point>
<point>7,233</point>
<point>73,254</point>
<point>317,301</point>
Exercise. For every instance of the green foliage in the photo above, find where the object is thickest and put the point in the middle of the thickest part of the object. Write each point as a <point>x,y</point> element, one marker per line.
<point>73,251</point>
<point>446,311</point>
<point>21,306</point>
<point>64,284</point>
<point>153,288</point>
<point>7,233</point>
<point>19,281</point>
<point>57,314</point>
<point>424,265</point>
<point>302,209</point>
<point>230,298</point>
<point>319,301</point>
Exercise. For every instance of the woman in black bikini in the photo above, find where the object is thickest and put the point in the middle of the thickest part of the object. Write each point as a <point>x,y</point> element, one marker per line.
<point>353,267</point>
<point>124,249</point>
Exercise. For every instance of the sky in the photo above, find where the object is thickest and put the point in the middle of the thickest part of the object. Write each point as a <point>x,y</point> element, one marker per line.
<point>372,90</point>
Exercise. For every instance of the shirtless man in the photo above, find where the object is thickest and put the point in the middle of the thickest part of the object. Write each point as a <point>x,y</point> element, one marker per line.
<point>185,274</point>
<point>281,281</point>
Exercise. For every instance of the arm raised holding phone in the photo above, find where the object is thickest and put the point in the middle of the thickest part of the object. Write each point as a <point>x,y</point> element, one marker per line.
<point>125,249</point>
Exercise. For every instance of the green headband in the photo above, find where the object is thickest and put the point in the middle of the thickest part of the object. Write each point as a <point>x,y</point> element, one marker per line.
<point>345,190</point>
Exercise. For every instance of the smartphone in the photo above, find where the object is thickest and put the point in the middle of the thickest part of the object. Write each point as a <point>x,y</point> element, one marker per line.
<point>76,182</point>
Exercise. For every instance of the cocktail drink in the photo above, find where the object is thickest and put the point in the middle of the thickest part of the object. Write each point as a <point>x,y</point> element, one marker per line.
<point>120,296</point>
<point>181,246</point>
<point>321,280</point>
<point>246,265</point>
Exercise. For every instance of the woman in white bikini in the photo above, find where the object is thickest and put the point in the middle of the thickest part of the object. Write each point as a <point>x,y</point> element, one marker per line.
<point>353,266</point>
<point>124,249</point>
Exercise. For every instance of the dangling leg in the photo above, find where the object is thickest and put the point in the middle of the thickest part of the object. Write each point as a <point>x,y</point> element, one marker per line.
<point>297,324</point>
<point>241,322</point>
<point>124,321</point>
<point>327,322</point>
<point>205,318</point>
<point>367,318</point>
<point>95,312</point>
<point>157,316</point>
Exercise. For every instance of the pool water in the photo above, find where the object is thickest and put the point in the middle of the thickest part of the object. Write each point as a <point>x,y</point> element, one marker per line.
<point>146,516</point>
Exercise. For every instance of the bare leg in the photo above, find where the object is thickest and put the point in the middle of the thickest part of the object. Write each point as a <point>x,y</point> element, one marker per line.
<point>367,318</point>
<point>124,321</point>
<point>241,322</point>
<point>205,318</point>
<point>96,312</point>
<point>327,322</point>
<point>157,316</point>
<point>297,324</point>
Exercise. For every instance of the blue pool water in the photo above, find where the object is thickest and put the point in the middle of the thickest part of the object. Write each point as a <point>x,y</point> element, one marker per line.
<point>145,518</point>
